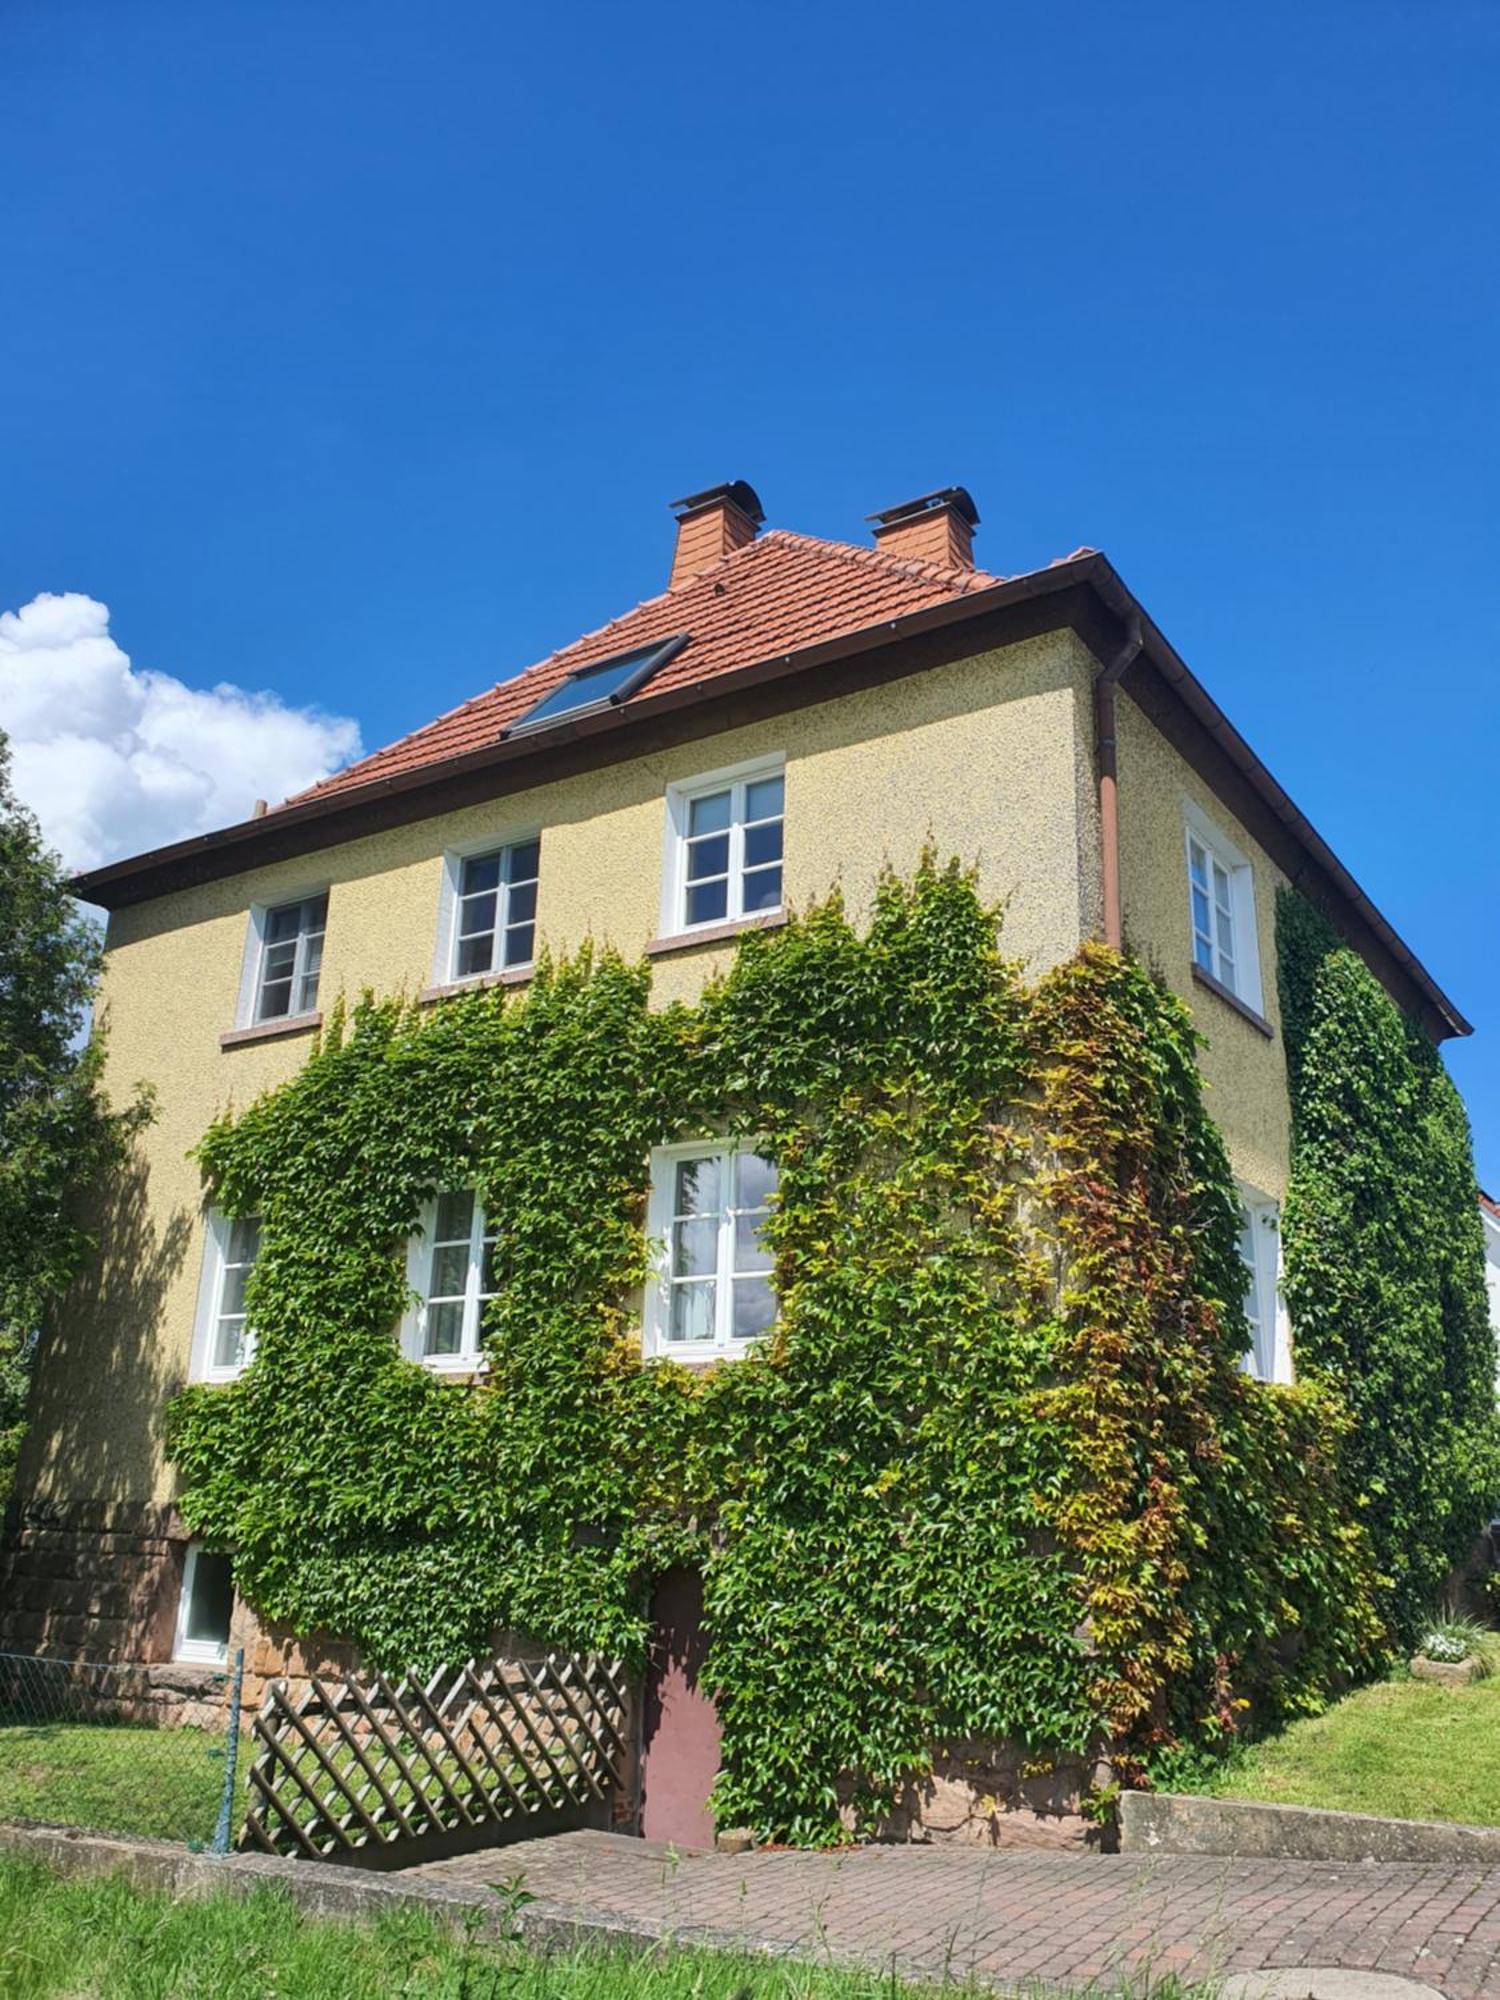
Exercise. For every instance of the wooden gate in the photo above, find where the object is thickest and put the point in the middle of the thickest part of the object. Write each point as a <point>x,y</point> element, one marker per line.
<point>357,1765</point>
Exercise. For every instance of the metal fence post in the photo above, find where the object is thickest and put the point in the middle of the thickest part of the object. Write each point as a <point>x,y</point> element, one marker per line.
<point>231,1757</point>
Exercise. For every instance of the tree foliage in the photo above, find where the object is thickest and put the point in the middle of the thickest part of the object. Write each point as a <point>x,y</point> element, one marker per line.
<point>1384,1256</point>
<point>56,1134</point>
<point>997,1474</point>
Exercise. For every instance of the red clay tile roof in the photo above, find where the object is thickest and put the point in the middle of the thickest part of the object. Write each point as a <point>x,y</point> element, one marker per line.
<point>1490,1206</point>
<point>775,595</point>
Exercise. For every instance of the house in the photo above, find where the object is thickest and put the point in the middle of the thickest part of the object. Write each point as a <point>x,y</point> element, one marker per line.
<point>786,714</point>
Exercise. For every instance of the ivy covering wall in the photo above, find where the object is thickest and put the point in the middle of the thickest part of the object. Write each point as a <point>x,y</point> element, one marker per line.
<point>998,1473</point>
<point>1384,1261</point>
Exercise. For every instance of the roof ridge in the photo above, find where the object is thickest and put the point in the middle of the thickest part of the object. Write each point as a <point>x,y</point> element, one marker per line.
<point>913,569</point>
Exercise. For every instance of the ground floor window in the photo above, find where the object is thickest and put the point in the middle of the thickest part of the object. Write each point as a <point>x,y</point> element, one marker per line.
<point>205,1608</point>
<point>452,1271</point>
<point>1260,1251</point>
<point>711,1293</point>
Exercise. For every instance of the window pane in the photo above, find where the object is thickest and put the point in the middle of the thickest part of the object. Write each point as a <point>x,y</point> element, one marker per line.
<point>489,1283</point>
<point>229,1343</point>
<point>763,890</point>
<point>445,1326</point>
<point>692,1311</point>
<point>710,814</point>
<point>312,965</point>
<point>283,925</point>
<point>280,960</point>
<point>275,1000</point>
<point>763,797</point>
<point>699,1186</point>
<point>1203,953</point>
<point>244,1240</point>
<point>754,1308</point>
<point>750,1253</point>
<point>707,902</point>
<point>476,914</point>
<point>525,861</point>
<point>521,906</point>
<point>455,1216</point>
<point>450,1271</point>
<point>481,873</point>
<point>212,1601</point>
<point>708,857</point>
<point>232,1300</point>
<point>475,954</point>
<point>763,843</point>
<point>695,1247</point>
<point>520,944</point>
<point>756,1181</point>
<point>1201,922</point>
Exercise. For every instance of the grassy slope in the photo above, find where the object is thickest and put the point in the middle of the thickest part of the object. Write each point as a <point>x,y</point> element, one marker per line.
<point>1403,1748</point>
<point>104,1940</point>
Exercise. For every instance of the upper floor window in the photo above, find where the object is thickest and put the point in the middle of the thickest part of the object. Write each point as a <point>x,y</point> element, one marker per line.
<point>1221,908</point>
<point>205,1608</point>
<point>724,846</point>
<point>711,1293</point>
<point>495,909</point>
<point>1260,1252</point>
<point>225,1341</point>
<point>452,1270</point>
<point>291,957</point>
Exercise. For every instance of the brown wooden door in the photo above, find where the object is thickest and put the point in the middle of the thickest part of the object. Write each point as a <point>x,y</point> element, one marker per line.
<point>680,1725</point>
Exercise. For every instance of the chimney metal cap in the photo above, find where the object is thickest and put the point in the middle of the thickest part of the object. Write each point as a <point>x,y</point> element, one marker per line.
<point>738,492</point>
<point>956,497</point>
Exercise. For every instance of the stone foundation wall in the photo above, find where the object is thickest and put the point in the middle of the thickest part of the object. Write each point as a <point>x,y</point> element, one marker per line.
<point>985,1795</point>
<point>99,1581</point>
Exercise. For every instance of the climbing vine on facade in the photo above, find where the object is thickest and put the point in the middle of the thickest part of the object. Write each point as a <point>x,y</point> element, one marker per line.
<point>1384,1259</point>
<point>997,1472</point>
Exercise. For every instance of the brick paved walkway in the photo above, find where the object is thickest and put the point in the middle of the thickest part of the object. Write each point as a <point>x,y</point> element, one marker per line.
<point>1017,1916</point>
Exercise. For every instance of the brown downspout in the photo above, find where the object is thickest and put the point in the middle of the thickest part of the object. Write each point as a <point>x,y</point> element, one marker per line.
<point>1105,684</point>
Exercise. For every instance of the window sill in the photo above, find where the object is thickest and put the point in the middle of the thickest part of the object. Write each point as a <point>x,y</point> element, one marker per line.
<point>271,1031</point>
<point>765,920</point>
<point>1231,999</point>
<point>513,975</point>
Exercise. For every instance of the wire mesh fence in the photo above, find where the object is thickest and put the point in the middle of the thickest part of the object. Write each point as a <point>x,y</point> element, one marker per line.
<point>153,1751</point>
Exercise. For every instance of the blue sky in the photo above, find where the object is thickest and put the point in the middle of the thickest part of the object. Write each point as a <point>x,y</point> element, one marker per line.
<point>351,352</point>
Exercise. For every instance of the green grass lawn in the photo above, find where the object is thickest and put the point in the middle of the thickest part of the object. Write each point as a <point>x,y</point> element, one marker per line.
<point>1403,1748</point>
<point>104,1940</point>
<point>163,1784</point>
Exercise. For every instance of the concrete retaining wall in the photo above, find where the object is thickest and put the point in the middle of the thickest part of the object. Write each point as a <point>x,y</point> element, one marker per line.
<point>1169,1823</point>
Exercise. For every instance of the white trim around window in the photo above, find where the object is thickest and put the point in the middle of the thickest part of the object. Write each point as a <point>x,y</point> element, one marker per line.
<point>1222,933</point>
<point>280,974</point>
<point>710,1293</point>
<point>223,1339</point>
<point>722,860</point>
<point>487,907</point>
<point>450,1267</point>
<point>1269,1355</point>
<point>205,1609</point>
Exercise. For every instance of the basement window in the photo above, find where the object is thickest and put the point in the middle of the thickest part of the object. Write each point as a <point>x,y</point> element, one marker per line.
<point>205,1607</point>
<point>603,685</point>
<point>452,1271</point>
<point>711,1292</point>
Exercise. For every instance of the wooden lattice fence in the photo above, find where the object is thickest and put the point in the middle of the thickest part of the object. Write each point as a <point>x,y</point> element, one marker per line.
<point>358,1764</point>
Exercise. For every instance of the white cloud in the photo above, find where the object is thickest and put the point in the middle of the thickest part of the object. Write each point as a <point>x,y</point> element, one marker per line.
<point>114,759</point>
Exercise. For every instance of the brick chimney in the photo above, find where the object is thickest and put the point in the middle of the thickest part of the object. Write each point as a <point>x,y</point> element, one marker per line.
<point>935,528</point>
<point>711,524</point>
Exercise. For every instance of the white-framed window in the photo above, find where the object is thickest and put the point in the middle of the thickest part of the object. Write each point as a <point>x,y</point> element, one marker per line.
<point>205,1608</point>
<point>710,1293</point>
<point>1268,1356</point>
<point>487,922</point>
<point>451,1267</point>
<point>1221,909</point>
<point>724,841</point>
<point>224,1341</point>
<point>283,959</point>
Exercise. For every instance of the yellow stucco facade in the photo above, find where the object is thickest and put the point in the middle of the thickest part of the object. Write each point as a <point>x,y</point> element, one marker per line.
<point>989,758</point>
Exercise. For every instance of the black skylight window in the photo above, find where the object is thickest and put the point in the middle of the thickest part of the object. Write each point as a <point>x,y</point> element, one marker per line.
<point>604,685</point>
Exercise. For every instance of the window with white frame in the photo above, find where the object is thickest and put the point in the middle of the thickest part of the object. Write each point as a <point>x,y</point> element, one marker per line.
<point>724,846</point>
<point>225,1341</point>
<point>1260,1252</point>
<point>291,957</point>
<point>1221,907</point>
<point>205,1608</point>
<point>711,1291</point>
<point>494,909</point>
<point>452,1270</point>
